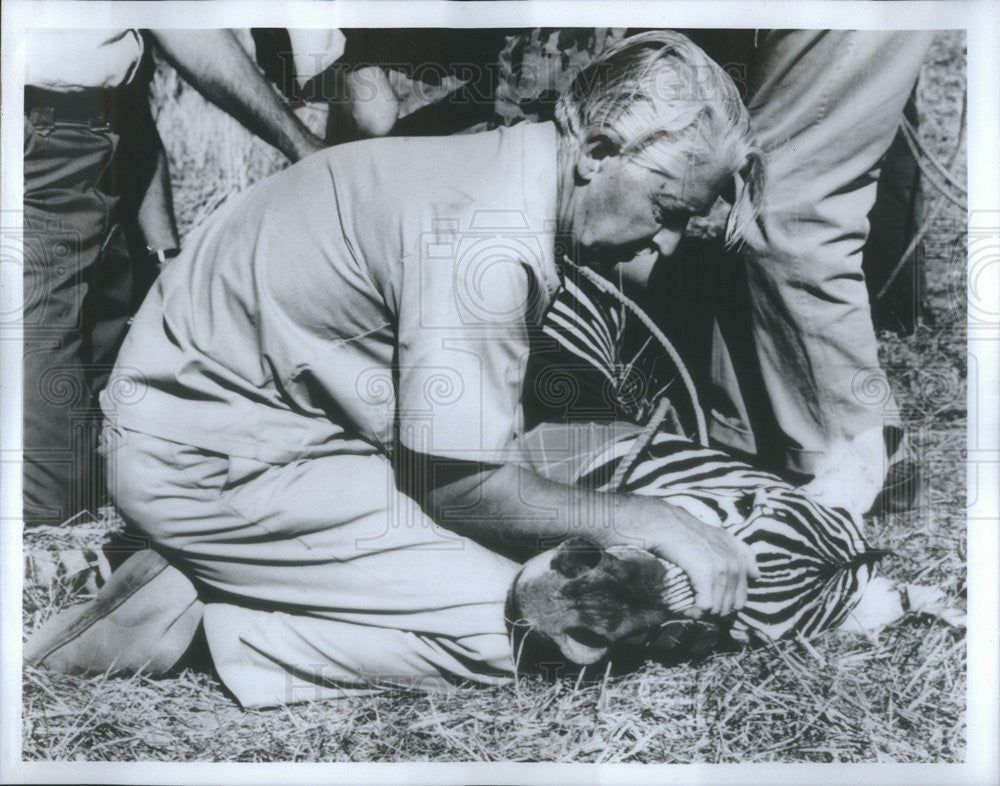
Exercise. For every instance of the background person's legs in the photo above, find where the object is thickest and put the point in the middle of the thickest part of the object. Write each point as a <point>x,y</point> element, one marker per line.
<point>77,298</point>
<point>319,574</point>
<point>825,106</point>
<point>895,219</point>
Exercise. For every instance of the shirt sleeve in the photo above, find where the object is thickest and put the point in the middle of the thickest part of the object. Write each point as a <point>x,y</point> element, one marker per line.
<point>72,60</point>
<point>463,345</point>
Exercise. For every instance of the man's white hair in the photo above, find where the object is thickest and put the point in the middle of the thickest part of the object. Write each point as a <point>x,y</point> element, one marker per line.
<point>658,97</point>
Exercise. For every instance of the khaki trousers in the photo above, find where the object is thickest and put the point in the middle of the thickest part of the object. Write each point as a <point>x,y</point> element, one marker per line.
<point>321,578</point>
<point>796,365</point>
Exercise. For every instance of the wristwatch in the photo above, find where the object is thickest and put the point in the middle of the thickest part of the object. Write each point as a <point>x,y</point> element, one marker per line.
<point>162,254</point>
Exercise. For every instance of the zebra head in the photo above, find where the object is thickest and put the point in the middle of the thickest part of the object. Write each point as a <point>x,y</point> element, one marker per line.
<point>584,599</point>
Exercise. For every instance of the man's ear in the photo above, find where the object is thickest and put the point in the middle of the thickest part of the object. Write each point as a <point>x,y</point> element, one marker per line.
<point>592,154</point>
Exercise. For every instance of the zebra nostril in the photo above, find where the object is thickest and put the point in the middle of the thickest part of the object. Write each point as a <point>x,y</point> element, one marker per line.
<point>575,557</point>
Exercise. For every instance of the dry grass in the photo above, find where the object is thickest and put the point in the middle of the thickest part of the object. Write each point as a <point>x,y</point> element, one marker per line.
<point>841,697</point>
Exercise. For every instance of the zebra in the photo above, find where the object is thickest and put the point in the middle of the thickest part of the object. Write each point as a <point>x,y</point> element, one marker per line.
<point>814,560</point>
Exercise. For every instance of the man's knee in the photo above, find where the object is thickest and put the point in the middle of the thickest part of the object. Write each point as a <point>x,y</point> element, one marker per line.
<point>372,103</point>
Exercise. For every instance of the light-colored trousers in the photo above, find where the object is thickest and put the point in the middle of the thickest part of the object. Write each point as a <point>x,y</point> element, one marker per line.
<point>801,371</point>
<point>321,578</point>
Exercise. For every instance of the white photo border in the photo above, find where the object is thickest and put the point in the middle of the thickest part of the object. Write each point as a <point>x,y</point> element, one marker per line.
<point>981,21</point>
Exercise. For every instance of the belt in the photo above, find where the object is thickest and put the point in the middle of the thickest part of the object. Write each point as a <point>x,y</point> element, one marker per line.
<point>94,105</point>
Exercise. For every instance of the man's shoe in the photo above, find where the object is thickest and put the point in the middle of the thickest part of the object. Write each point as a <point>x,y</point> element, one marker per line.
<point>143,619</point>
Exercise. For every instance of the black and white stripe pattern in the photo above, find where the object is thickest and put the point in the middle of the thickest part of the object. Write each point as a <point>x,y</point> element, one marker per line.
<point>619,365</point>
<point>814,560</point>
<point>585,329</point>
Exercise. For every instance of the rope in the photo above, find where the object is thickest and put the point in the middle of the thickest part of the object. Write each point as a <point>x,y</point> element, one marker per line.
<point>916,148</point>
<point>914,144</point>
<point>914,243</point>
<point>913,140</point>
<point>640,443</point>
<point>607,287</point>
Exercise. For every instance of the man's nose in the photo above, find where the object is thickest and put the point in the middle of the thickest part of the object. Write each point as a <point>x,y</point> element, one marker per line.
<point>667,240</point>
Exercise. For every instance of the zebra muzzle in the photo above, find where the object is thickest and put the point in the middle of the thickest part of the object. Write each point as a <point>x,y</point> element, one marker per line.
<point>585,599</point>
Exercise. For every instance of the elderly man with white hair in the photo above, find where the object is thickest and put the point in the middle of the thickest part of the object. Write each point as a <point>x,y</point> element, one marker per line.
<point>316,415</point>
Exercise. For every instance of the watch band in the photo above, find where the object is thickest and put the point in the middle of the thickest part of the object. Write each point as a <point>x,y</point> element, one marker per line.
<point>162,254</point>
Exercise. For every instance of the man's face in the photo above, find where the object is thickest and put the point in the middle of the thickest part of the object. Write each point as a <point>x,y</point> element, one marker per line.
<point>623,215</point>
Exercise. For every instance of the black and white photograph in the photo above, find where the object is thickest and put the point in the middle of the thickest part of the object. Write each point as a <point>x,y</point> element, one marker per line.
<point>460,385</point>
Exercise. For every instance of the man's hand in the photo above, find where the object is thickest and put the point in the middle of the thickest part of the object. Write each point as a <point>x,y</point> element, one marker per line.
<point>718,565</point>
<point>220,69</point>
<point>155,215</point>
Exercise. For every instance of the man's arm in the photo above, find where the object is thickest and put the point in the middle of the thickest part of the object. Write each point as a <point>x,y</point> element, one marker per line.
<point>512,508</point>
<point>221,70</point>
<point>156,210</point>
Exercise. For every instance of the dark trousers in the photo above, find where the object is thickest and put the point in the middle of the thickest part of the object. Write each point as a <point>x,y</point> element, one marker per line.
<point>77,300</point>
<point>895,218</point>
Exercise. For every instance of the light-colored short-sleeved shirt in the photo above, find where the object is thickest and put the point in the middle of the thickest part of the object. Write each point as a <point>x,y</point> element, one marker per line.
<point>71,60</point>
<point>379,289</point>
